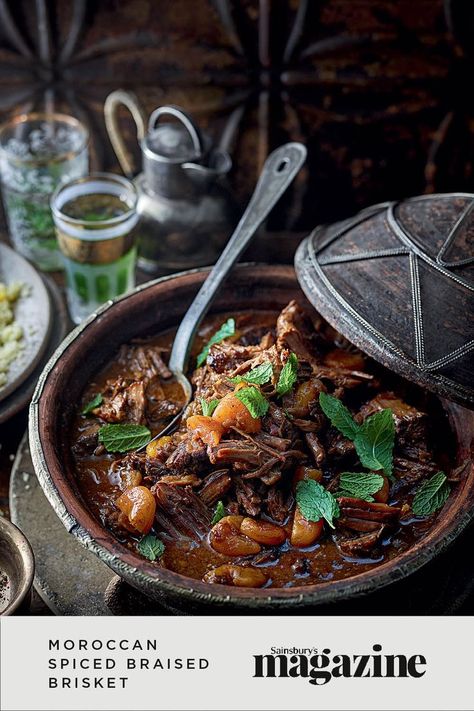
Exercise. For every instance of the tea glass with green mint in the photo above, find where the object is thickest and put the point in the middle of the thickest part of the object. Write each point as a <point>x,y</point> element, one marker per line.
<point>96,221</point>
<point>38,151</point>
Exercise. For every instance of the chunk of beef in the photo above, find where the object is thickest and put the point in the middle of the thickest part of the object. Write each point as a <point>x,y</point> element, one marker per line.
<point>278,444</point>
<point>163,409</point>
<point>214,486</point>
<point>254,457</point>
<point>269,477</point>
<point>181,512</point>
<point>295,331</point>
<point>413,470</point>
<point>341,377</point>
<point>359,515</point>
<point>278,504</point>
<point>316,448</point>
<point>338,446</point>
<point>237,452</point>
<point>269,355</point>
<point>189,456</point>
<point>361,545</point>
<point>145,361</point>
<point>410,423</point>
<point>307,425</point>
<point>209,385</point>
<point>226,357</point>
<point>87,440</point>
<point>248,498</point>
<point>123,401</point>
<point>136,403</point>
<point>277,424</point>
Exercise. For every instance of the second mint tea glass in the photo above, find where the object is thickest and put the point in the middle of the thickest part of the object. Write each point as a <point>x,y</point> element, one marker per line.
<point>95,219</point>
<point>39,151</point>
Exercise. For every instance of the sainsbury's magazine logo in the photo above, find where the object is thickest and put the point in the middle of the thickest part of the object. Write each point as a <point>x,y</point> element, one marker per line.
<point>319,667</point>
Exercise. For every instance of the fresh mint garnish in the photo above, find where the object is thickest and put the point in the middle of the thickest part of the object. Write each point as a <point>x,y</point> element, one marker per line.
<point>257,376</point>
<point>361,485</point>
<point>95,402</point>
<point>225,331</point>
<point>208,407</point>
<point>373,439</point>
<point>339,415</point>
<point>218,513</point>
<point>315,502</point>
<point>151,547</point>
<point>431,495</point>
<point>123,437</point>
<point>288,375</point>
<point>253,400</point>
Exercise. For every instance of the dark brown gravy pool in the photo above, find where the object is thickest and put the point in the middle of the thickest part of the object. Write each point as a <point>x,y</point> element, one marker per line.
<point>323,561</point>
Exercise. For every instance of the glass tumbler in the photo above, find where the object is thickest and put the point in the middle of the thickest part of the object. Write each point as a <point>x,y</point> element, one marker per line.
<point>37,153</point>
<point>95,219</point>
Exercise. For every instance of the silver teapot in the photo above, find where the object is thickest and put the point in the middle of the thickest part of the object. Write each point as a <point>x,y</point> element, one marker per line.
<point>186,211</point>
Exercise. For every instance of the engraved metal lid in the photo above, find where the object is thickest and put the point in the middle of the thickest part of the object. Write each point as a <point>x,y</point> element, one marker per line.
<point>398,281</point>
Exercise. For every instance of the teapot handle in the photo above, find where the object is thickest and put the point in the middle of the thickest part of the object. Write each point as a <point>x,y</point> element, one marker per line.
<point>112,102</point>
<point>183,118</point>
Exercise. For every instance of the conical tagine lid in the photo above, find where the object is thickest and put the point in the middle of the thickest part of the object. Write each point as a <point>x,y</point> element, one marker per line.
<point>397,280</point>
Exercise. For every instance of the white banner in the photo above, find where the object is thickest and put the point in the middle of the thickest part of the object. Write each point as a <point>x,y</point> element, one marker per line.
<point>237,663</point>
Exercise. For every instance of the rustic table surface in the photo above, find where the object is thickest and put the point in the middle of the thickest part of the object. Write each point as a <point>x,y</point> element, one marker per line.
<point>445,586</point>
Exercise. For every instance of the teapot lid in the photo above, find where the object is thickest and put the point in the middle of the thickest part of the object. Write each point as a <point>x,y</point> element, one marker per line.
<point>175,142</point>
<point>171,141</point>
<point>398,281</point>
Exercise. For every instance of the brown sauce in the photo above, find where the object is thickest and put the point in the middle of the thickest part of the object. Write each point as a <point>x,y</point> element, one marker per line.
<point>99,476</point>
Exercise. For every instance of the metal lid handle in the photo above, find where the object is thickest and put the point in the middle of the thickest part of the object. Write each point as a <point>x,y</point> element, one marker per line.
<point>183,118</point>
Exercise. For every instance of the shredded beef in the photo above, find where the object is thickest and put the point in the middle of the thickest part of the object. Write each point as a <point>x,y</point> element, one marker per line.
<point>278,505</point>
<point>215,485</point>
<point>180,510</point>
<point>247,497</point>
<point>295,331</point>
<point>361,545</point>
<point>190,455</point>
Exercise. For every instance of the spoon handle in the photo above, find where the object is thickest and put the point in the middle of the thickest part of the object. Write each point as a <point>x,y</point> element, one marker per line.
<point>278,171</point>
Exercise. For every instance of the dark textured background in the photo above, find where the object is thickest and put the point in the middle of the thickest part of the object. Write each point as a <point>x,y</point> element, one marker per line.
<point>380,90</point>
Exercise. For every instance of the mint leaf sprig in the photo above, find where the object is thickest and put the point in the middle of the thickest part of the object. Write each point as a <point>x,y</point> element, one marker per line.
<point>124,437</point>
<point>315,502</point>
<point>259,375</point>
<point>339,415</point>
<point>361,485</point>
<point>373,440</point>
<point>208,407</point>
<point>218,513</point>
<point>151,547</point>
<point>256,403</point>
<point>92,404</point>
<point>431,495</point>
<point>225,331</point>
<point>288,375</point>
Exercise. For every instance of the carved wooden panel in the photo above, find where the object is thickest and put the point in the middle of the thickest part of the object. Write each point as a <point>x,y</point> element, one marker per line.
<point>375,88</point>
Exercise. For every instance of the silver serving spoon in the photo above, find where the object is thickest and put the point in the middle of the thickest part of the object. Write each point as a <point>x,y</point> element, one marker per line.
<point>278,171</point>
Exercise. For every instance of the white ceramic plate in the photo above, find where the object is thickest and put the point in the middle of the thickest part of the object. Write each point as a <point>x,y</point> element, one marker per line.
<point>32,312</point>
